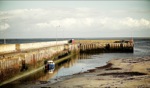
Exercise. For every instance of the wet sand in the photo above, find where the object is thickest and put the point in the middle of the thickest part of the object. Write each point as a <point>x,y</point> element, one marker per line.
<point>128,73</point>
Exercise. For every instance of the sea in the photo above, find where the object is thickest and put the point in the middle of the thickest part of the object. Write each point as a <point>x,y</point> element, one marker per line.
<point>78,63</point>
<point>32,40</point>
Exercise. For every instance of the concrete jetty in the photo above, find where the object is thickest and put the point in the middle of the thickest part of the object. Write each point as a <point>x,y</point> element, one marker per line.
<point>13,57</point>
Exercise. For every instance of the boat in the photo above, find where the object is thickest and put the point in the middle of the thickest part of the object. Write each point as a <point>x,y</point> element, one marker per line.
<point>49,66</point>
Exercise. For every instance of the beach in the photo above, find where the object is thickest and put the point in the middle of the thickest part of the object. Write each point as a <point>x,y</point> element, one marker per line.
<point>127,72</point>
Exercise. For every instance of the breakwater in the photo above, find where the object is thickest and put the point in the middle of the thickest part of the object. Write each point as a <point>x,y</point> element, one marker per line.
<point>106,45</point>
<point>28,56</point>
<point>9,48</point>
<point>12,62</point>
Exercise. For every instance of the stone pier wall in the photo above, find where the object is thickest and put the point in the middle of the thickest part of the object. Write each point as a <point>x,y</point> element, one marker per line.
<point>11,64</point>
<point>107,46</point>
<point>9,48</point>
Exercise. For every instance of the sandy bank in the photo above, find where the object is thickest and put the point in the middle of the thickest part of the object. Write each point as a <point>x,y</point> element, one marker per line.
<point>131,73</point>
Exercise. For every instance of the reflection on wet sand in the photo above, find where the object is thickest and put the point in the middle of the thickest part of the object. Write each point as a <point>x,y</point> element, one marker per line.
<point>66,64</point>
<point>84,56</point>
<point>46,76</point>
<point>43,77</point>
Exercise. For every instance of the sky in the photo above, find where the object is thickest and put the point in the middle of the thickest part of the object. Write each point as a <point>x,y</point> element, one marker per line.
<point>74,19</point>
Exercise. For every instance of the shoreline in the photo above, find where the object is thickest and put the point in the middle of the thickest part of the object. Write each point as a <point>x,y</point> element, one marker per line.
<point>129,72</point>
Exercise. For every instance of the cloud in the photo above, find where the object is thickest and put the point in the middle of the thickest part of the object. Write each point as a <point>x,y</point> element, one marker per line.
<point>135,23</point>
<point>71,19</point>
<point>67,23</point>
<point>77,17</point>
<point>101,23</point>
<point>4,26</point>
